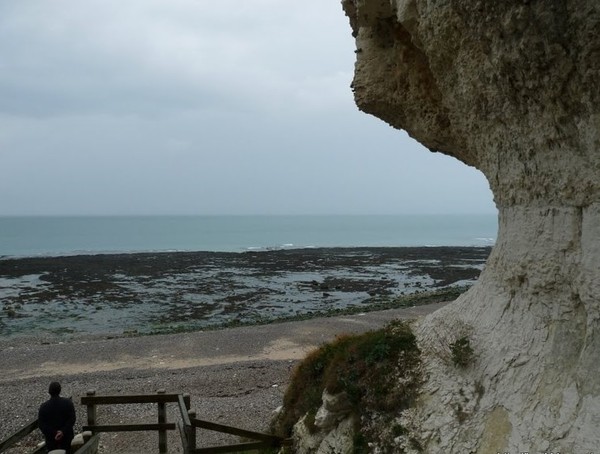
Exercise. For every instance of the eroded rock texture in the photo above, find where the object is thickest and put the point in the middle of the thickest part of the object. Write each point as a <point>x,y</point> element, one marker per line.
<point>512,88</point>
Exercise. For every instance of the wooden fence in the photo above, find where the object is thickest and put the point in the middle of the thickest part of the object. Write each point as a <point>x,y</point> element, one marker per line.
<point>187,427</point>
<point>20,435</point>
<point>189,437</point>
<point>89,447</point>
<point>162,426</point>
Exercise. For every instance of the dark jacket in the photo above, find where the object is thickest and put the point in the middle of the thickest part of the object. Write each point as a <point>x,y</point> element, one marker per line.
<point>57,413</point>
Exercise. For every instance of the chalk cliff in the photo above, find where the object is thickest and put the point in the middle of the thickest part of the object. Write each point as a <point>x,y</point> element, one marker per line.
<point>513,89</point>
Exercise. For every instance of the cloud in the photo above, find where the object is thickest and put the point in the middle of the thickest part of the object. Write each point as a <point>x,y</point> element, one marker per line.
<point>151,56</point>
<point>195,106</point>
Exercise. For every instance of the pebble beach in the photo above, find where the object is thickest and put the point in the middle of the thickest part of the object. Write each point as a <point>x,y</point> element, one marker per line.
<point>235,376</point>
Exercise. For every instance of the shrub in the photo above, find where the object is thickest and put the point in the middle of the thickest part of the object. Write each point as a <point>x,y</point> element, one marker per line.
<point>361,446</point>
<point>462,352</point>
<point>378,370</point>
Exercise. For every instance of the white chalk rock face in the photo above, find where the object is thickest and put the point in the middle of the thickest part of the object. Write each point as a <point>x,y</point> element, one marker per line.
<point>333,428</point>
<point>513,89</point>
<point>335,408</point>
<point>335,439</point>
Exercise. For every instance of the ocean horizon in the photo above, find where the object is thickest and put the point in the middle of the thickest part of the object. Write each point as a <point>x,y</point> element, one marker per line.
<point>30,236</point>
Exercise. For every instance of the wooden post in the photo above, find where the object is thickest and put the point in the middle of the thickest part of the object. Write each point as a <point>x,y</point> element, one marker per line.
<point>191,431</point>
<point>91,409</point>
<point>162,419</point>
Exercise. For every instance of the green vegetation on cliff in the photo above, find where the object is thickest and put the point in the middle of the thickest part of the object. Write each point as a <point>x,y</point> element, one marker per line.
<point>378,371</point>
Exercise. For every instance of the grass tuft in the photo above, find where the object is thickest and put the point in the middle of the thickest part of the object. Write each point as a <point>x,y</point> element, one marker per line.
<point>378,371</point>
<point>462,352</point>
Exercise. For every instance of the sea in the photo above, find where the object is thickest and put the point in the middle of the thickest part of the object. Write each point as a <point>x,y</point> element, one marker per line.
<point>31,236</point>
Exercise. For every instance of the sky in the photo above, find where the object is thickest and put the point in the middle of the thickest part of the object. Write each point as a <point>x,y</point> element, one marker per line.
<point>151,107</point>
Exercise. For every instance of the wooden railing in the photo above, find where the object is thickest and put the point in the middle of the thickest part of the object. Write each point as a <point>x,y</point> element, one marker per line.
<point>261,440</point>
<point>89,447</point>
<point>162,426</point>
<point>20,435</point>
<point>187,427</point>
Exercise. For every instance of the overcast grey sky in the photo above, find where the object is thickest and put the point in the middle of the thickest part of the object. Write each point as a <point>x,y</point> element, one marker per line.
<point>202,107</point>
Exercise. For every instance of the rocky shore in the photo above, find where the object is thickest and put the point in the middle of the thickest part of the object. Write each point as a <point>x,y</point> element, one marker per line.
<point>66,297</point>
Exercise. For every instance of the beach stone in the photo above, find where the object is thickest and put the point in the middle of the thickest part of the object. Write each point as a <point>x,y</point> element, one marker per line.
<point>510,88</point>
<point>77,441</point>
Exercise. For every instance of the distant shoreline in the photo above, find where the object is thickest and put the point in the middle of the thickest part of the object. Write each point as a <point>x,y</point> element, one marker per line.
<point>66,236</point>
<point>117,254</point>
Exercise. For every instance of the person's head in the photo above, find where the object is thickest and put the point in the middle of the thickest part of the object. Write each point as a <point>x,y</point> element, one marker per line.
<point>54,389</point>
